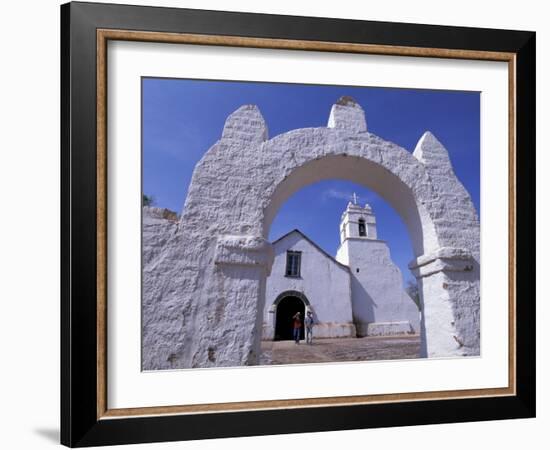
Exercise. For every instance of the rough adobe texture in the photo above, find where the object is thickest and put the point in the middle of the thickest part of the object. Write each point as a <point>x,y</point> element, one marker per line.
<point>201,309</point>
<point>377,290</point>
<point>158,225</point>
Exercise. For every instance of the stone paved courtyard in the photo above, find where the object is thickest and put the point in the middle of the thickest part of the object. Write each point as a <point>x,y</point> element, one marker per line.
<point>334,350</point>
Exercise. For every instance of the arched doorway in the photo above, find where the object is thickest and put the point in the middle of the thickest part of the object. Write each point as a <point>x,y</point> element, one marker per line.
<point>285,306</point>
<point>208,291</point>
<point>286,309</point>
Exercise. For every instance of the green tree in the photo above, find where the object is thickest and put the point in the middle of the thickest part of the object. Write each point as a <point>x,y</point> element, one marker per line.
<point>148,200</point>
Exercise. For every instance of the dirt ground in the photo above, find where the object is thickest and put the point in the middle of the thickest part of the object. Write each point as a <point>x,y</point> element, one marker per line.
<point>334,350</point>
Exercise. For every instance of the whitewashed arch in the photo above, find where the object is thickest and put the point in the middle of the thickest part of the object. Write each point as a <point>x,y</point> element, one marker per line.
<point>204,294</point>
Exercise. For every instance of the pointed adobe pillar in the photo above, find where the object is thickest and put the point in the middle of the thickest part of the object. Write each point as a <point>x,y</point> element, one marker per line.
<point>448,278</point>
<point>347,114</point>
<point>204,295</point>
<point>246,124</point>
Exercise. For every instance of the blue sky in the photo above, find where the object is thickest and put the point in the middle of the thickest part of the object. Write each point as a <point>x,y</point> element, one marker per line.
<point>183,118</point>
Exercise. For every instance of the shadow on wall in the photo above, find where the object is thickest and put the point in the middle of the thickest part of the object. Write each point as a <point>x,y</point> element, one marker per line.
<point>363,310</point>
<point>49,434</point>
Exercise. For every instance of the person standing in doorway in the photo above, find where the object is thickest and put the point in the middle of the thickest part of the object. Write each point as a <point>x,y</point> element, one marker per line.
<point>308,322</point>
<point>296,327</point>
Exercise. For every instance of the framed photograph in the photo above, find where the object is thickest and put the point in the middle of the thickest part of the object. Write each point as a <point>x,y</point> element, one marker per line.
<point>277,224</point>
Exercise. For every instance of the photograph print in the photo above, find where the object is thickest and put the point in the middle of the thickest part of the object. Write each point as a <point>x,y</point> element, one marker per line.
<point>305,224</point>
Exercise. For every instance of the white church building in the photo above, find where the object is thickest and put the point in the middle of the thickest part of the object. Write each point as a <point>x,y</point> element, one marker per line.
<point>358,293</point>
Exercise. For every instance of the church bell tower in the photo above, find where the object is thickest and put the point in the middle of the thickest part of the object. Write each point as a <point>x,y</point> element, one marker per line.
<point>357,223</point>
<point>380,306</point>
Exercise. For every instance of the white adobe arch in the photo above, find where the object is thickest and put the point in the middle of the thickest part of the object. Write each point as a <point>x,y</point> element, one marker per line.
<point>204,295</point>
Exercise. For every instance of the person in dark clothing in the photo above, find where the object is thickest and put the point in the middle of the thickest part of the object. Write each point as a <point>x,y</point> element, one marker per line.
<point>296,327</point>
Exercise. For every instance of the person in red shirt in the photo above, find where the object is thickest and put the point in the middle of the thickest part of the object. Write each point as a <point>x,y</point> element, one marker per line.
<point>296,327</point>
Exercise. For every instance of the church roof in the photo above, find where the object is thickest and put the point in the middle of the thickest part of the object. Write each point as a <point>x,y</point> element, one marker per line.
<point>296,230</point>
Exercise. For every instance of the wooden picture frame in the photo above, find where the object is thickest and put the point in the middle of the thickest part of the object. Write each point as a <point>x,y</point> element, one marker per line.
<point>86,418</point>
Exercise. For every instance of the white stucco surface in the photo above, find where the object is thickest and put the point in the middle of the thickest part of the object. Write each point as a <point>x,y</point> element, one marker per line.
<point>203,294</point>
<point>377,289</point>
<point>158,225</point>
